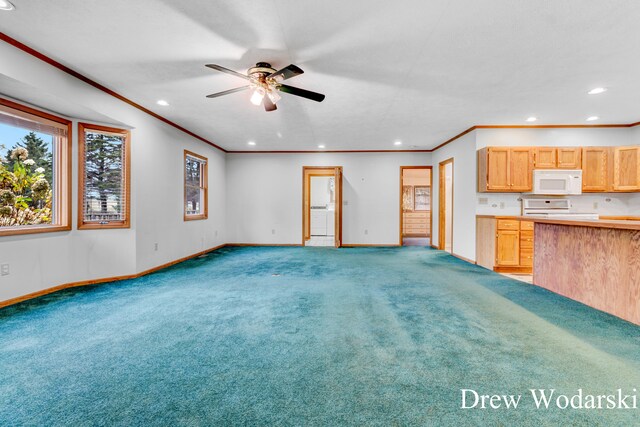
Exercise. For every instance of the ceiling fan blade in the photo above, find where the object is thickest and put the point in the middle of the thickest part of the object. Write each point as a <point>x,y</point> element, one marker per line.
<point>227,92</point>
<point>228,71</point>
<point>318,97</point>
<point>268,104</point>
<point>286,73</point>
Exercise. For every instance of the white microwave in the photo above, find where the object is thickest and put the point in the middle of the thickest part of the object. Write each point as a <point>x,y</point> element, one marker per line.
<point>557,181</point>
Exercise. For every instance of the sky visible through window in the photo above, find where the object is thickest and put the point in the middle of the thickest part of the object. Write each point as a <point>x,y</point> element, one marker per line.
<point>11,135</point>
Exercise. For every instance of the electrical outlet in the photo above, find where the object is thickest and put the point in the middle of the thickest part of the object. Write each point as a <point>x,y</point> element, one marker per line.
<point>273,231</point>
<point>366,231</point>
<point>155,246</point>
<point>345,202</point>
<point>4,269</point>
<point>216,233</point>
<point>595,205</point>
<point>501,205</point>
<point>483,200</point>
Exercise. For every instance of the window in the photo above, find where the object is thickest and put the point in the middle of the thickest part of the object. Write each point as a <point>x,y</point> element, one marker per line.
<point>195,186</point>
<point>35,178</point>
<point>103,178</point>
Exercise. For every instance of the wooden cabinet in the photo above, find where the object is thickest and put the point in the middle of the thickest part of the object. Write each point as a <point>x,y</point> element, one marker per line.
<point>504,244</point>
<point>508,248</point>
<point>416,223</point>
<point>595,169</point>
<point>545,158</point>
<point>569,158</point>
<point>497,160</point>
<point>626,168</point>
<point>505,169</point>
<point>604,169</point>
<point>557,158</point>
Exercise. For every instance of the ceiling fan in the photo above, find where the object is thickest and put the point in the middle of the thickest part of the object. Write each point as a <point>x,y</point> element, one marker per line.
<point>265,82</point>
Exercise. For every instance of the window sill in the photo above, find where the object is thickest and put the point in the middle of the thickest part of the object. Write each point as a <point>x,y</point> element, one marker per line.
<point>96,226</point>
<point>32,229</point>
<point>195,217</point>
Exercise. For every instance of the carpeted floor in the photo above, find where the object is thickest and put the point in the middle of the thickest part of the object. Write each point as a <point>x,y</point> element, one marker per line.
<point>309,336</point>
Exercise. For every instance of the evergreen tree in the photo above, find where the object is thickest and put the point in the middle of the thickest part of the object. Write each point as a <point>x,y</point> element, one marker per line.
<point>103,168</point>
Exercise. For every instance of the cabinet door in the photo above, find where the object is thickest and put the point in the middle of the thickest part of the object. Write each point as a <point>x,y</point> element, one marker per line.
<point>569,158</point>
<point>626,168</point>
<point>521,167</point>
<point>508,248</point>
<point>594,169</point>
<point>545,158</point>
<point>498,169</point>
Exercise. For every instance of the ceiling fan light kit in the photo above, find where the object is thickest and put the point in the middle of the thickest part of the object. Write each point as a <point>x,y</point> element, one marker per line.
<point>265,82</point>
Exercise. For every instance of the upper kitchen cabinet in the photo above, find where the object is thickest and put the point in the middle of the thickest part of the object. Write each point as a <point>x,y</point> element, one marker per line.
<point>545,158</point>
<point>557,158</point>
<point>626,168</point>
<point>595,169</point>
<point>505,169</point>
<point>569,158</point>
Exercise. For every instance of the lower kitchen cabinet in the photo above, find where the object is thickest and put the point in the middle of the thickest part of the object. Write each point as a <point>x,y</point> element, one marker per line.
<point>504,244</point>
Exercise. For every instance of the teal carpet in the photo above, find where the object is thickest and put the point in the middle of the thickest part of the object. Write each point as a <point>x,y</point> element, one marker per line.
<point>309,336</point>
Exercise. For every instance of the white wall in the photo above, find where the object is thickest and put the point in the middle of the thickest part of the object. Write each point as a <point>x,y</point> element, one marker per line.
<point>40,261</point>
<point>264,195</point>
<point>463,152</point>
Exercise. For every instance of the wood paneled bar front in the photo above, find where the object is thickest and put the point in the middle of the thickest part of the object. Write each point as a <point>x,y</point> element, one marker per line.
<point>595,262</point>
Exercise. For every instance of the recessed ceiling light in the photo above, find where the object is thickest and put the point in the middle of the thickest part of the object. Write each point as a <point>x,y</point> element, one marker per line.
<point>597,90</point>
<point>397,143</point>
<point>251,143</point>
<point>592,118</point>
<point>532,119</point>
<point>160,102</point>
<point>6,5</point>
<point>321,146</point>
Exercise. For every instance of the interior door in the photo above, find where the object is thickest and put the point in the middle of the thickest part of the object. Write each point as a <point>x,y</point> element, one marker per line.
<point>338,206</point>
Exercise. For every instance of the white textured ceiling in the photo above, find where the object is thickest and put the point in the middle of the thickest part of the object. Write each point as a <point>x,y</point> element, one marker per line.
<point>415,71</point>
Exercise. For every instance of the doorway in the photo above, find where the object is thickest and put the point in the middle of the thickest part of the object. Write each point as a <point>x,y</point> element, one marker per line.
<point>322,206</point>
<point>445,209</point>
<point>415,205</point>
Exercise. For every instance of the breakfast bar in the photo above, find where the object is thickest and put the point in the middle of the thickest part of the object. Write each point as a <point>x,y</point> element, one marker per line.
<point>596,262</point>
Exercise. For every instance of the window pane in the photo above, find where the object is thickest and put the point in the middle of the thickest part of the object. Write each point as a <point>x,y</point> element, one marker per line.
<point>193,169</point>
<point>26,172</point>
<point>194,200</point>
<point>104,186</point>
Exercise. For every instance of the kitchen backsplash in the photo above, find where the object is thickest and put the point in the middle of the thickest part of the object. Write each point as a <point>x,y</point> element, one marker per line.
<point>602,204</point>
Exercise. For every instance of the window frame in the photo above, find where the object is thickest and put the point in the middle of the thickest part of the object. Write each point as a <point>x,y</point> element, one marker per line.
<point>91,225</point>
<point>62,174</point>
<point>204,179</point>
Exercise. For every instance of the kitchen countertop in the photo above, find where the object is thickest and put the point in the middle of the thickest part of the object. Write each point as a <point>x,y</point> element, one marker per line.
<point>594,223</point>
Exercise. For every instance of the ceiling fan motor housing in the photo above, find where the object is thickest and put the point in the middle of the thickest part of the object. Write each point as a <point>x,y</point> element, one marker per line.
<point>262,69</point>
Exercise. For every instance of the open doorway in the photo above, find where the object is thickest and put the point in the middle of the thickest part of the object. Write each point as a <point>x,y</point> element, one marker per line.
<point>445,210</point>
<point>415,205</point>
<point>322,206</point>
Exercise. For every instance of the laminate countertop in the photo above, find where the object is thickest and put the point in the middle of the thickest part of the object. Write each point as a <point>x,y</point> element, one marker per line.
<point>594,223</point>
